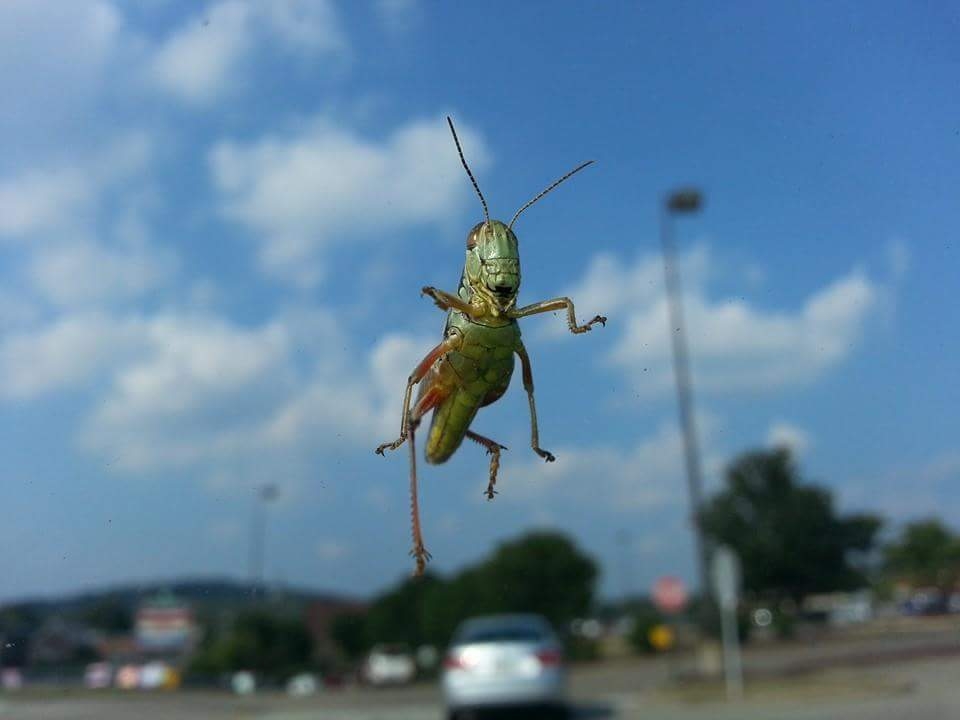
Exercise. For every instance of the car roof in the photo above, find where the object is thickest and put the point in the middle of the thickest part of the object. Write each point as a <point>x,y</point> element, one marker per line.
<point>518,621</point>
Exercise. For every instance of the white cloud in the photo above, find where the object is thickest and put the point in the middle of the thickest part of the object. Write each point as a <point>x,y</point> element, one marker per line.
<point>84,271</point>
<point>16,312</point>
<point>82,227</point>
<point>645,478</point>
<point>65,354</point>
<point>195,63</point>
<point>41,201</point>
<point>311,27</point>
<point>303,194</point>
<point>53,56</point>
<point>357,401</point>
<point>331,550</point>
<point>61,200</point>
<point>208,57</point>
<point>197,392</point>
<point>909,492</point>
<point>734,346</point>
<point>784,434</point>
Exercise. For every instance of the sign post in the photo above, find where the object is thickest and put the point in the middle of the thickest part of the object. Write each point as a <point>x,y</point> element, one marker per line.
<point>725,571</point>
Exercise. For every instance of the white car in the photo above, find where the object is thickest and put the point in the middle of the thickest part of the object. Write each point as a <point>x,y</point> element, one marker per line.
<point>504,660</point>
<point>389,665</point>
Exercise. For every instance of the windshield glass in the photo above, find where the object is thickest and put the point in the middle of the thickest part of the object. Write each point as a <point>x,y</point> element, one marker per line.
<point>329,326</point>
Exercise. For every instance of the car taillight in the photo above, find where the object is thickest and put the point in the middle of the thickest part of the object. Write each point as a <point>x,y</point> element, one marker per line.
<point>550,657</point>
<point>454,661</point>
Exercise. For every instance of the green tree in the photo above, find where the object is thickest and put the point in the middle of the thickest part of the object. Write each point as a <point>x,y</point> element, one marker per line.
<point>790,539</point>
<point>109,614</point>
<point>542,572</point>
<point>398,615</point>
<point>927,553</point>
<point>645,618</point>
<point>349,633</point>
<point>272,646</point>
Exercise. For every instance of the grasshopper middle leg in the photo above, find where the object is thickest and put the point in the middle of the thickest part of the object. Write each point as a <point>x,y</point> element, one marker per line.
<point>493,449</point>
<point>528,386</point>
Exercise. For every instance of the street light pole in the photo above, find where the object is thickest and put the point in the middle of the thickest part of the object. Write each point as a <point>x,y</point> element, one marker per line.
<point>626,569</point>
<point>265,494</point>
<point>684,202</point>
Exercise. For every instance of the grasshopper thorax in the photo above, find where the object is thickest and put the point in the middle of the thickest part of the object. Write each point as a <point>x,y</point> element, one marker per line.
<point>493,263</point>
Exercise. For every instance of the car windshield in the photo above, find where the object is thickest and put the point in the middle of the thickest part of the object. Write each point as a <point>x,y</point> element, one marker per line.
<point>349,344</point>
<point>503,631</point>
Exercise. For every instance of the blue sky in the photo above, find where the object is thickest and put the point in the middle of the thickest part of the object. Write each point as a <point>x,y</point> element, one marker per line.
<point>215,221</point>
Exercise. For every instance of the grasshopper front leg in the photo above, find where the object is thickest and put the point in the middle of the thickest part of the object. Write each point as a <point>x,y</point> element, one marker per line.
<point>449,301</point>
<point>451,342</point>
<point>558,304</point>
<point>528,386</point>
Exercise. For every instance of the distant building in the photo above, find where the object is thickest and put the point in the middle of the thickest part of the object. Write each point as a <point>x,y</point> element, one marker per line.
<point>164,625</point>
<point>60,642</point>
<point>320,617</point>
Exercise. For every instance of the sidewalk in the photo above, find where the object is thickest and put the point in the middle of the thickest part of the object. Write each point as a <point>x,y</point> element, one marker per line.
<point>919,690</point>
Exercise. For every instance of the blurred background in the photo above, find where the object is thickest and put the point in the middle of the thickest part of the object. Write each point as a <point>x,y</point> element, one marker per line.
<point>215,221</point>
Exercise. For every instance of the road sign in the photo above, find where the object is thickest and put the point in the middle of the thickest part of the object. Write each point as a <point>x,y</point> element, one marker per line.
<point>670,594</point>
<point>661,637</point>
<point>726,577</point>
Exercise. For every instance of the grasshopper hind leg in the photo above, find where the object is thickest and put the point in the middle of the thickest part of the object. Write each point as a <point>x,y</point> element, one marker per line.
<point>419,552</point>
<point>493,450</point>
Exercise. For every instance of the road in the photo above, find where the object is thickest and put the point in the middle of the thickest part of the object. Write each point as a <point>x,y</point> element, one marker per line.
<point>925,689</point>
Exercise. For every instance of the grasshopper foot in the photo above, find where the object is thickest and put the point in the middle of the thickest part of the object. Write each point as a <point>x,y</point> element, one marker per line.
<point>434,295</point>
<point>419,552</point>
<point>587,327</point>
<point>390,445</point>
<point>490,492</point>
<point>547,456</point>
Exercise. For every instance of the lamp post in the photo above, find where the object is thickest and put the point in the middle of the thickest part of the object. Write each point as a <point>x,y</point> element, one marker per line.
<point>265,494</point>
<point>684,202</point>
<point>626,570</point>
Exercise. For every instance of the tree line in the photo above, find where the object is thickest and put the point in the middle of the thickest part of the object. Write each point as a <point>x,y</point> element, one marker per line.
<point>541,572</point>
<point>788,532</point>
<point>791,539</point>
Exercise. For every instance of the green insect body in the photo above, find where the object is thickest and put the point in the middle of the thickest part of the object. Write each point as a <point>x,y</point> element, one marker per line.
<point>479,371</point>
<point>474,363</point>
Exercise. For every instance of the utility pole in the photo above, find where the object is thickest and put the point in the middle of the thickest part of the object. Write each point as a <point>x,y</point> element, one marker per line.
<point>686,201</point>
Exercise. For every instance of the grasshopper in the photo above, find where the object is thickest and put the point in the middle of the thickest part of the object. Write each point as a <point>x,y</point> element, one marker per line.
<point>472,366</point>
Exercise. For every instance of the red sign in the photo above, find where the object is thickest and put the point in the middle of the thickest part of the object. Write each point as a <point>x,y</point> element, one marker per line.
<point>669,594</point>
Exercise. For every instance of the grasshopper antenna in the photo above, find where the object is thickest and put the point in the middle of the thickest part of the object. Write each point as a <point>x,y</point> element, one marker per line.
<point>565,177</point>
<point>486,213</point>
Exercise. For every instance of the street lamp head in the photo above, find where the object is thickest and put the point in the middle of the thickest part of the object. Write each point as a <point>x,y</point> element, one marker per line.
<point>686,200</point>
<point>269,492</point>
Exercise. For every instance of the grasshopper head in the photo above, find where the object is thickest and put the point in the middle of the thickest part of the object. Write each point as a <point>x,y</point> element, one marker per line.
<point>493,260</point>
<point>493,263</point>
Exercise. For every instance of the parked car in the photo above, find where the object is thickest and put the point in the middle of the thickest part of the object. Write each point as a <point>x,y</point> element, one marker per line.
<point>504,660</point>
<point>389,665</point>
